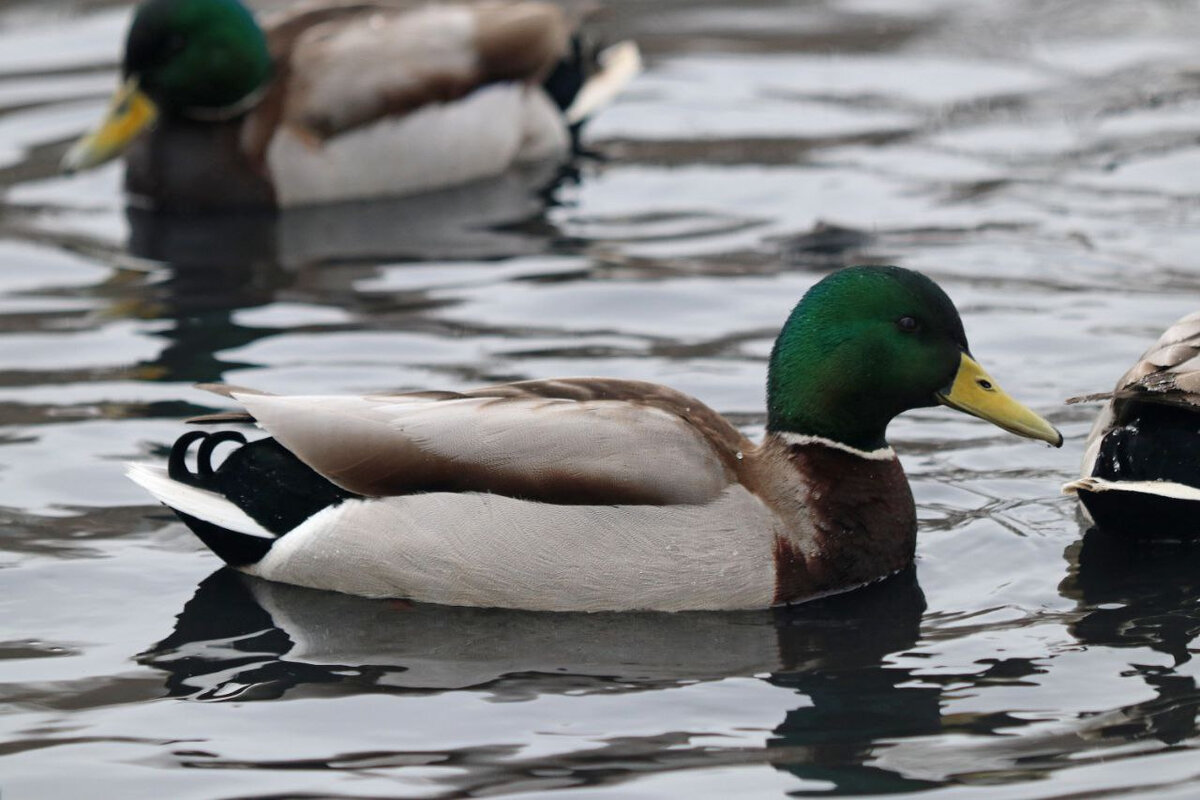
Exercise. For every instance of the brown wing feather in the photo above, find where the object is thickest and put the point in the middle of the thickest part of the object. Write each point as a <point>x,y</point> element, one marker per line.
<point>283,30</point>
<point>520,42</point>
<point>726,440</point>
<point>592,441</point>
<point>223,417</point>
<point>1169,372</point>
<point>344,67</point>
<point>227,389</point>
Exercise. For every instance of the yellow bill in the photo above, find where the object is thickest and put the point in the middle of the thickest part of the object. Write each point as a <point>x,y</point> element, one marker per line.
<point>129,113</point>
<point>974,392</point>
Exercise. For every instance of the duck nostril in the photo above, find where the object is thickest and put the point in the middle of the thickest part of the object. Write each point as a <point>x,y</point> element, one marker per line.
<point>985,385</point>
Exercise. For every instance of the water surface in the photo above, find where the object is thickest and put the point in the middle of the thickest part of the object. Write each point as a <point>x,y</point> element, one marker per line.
<point>1038,159</point>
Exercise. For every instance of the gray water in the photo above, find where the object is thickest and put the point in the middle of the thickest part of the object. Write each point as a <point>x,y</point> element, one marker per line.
<point>1041,160</point>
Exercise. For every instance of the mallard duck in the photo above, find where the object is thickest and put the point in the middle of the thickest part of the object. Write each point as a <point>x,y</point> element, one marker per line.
<point>593,494</point>
<point>1141,463</point>
<point>342,100</point>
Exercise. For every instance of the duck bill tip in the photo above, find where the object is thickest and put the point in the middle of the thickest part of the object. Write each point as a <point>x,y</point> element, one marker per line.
<point>975,392</point>
<point>129,113</point>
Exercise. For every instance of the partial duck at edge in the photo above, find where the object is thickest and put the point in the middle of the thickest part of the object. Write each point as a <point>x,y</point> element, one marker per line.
<point>1141,464</point>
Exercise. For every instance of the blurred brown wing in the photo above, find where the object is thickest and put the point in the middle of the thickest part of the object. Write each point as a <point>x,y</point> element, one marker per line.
<point>353,68</point>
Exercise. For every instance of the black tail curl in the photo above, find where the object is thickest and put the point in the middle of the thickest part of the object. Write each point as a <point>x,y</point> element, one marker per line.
<point>578,64</point>
<point>568,76</point>
<point>262,478</point>
<point>177,465</point>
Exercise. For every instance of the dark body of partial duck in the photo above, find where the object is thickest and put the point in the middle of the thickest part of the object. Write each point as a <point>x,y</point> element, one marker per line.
<point>337,101</point>
<point>1141,465</point>
<point>591,494</point>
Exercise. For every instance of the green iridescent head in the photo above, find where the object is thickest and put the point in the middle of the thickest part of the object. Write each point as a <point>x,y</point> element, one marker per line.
<point>194,57</point>
<point>867,343</point>
<point>201,59</point>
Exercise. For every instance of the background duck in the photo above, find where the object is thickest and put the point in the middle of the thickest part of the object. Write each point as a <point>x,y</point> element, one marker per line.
<point>596,494</point>
<point>339,101</point>
<point>1141,464</point>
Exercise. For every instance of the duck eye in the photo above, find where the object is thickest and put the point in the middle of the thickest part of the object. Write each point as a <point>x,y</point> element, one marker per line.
<point>908,324</point>
<point>176,42</point>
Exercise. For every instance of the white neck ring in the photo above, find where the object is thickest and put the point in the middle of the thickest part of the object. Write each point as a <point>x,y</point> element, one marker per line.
<point>885,453</point>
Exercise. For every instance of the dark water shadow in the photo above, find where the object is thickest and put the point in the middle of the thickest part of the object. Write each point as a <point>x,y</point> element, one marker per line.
<point>217,264</point>
<point>854,698</point>
<point>880,730</point>
<point>1141,594</point>
<point>289,636</point>
<point>245,639</point>
<point>866,718</point>
<point>484,220</point>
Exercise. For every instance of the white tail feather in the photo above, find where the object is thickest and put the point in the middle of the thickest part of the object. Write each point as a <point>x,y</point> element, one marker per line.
<point>199,503</point>
<point>1169,489</point>
<point>619,64</point>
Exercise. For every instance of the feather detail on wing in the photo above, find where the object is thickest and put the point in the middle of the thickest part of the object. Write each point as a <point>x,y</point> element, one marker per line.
<point>363,62</point>
<point>227,389</point>
<point>283,30</point>
<point>1169,372</point>
<point>575,441</point>
<point>223,417</point>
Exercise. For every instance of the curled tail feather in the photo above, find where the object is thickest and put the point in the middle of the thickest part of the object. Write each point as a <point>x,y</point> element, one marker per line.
<point>239,509</point>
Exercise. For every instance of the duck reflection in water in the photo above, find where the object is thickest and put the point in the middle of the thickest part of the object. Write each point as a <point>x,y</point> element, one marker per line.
<point>240,638</point>
<point>1141,594</point>
<point>1128,596</point>
<point>217,264</point>
<point>496,218</point>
